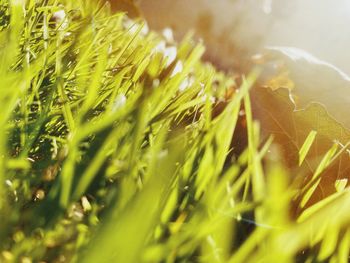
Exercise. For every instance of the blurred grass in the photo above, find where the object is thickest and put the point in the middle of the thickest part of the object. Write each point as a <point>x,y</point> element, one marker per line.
<point>115,149</point>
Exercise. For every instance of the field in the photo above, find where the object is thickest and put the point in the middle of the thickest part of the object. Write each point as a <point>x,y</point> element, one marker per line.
<point>120,145</point>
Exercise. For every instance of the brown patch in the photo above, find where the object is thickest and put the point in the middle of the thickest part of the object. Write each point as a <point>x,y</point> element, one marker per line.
<point>204,24</point>
<point>127,6</point>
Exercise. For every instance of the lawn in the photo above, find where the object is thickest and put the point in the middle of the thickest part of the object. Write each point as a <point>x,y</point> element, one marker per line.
<point>118,145</point>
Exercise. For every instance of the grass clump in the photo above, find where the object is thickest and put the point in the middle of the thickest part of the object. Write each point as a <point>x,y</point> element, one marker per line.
<point>112,149</point>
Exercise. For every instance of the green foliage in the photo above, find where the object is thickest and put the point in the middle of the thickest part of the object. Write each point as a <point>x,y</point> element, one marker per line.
<point>112,149</point>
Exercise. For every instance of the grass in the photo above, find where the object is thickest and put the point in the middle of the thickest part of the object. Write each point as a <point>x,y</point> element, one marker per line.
<point>112,149</point>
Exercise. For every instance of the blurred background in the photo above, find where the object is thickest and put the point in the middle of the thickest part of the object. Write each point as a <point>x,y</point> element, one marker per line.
<point>234,30</point>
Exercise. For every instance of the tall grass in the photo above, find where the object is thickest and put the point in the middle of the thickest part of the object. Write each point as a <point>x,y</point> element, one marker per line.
<point>112,149</point>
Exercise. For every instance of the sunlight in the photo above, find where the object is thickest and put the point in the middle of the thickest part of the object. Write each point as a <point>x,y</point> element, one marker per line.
<point>236,27</point>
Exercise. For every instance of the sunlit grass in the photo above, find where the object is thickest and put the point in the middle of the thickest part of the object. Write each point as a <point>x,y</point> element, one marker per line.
<point>112,149</point>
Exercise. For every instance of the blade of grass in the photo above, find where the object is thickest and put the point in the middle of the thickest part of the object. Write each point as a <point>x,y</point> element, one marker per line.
<point>306,146</point>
